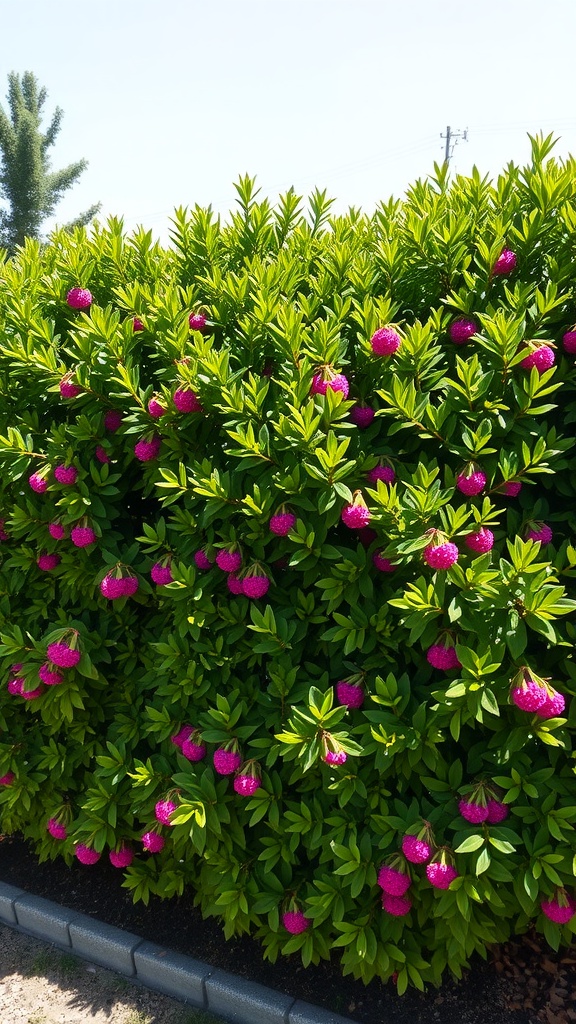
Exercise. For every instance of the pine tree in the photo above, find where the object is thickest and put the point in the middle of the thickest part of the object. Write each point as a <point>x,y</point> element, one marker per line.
<point>28,186</point>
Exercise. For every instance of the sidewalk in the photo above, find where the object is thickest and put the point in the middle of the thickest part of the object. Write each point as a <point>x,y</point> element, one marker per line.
<point>199,985</point>
<point>40,984</point>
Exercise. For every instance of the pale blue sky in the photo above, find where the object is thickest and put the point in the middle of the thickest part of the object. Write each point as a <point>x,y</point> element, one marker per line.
<point>170,101</point>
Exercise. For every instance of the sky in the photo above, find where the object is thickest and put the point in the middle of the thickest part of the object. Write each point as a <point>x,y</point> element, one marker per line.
<point>170,101</point>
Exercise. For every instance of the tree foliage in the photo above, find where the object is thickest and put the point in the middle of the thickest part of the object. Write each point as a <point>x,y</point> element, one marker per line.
<point>28,186</point>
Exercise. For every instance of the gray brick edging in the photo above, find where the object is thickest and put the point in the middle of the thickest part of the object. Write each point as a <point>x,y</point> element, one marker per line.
<point>234,999</point>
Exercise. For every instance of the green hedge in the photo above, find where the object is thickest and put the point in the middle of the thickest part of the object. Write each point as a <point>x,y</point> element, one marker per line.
<point>371,548</point>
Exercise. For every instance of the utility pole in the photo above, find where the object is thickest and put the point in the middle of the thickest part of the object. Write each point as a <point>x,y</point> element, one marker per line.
<point>452,138</point>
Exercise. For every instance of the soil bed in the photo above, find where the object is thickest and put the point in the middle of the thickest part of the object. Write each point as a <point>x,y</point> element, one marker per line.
<point>521,983</point>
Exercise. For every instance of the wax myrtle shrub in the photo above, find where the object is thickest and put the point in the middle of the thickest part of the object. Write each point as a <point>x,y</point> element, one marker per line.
<point>287,512</point>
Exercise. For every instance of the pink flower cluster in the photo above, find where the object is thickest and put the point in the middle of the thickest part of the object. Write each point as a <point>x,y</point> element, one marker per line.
<point>480,541</point>
<point>197,321</point>
<point>472,480</point>
<point>189,740</point>
<point>535,695</point>
<point>349,694</point>
<point>362,416</point>
<point>442,656</point>
<point>17,683</point>
<point>62,654</point>
<point>47,562</point>
<point>148,450</point>
<point>122,856</point>
<point>68,389</point>
<point>381,472</point>
<point>539,532</point>
<point>541,357</point>
<point>385,341</point>
<point>462,330</point>
<point>328,378</point>
<point>81,536</point>
<point>561,908</point>
<point>505,263</point>
<point>382,564</point>
<point>66,475</point>
<point>295,922</point>
<point>356,515</point>
<point>394,877</point>
<point>228,761</point>
<point>395,882</point>
<point>56,829</point>
<point>86,854</point>
<point>161,574</point>
<point>281,523</point>
<point>229,559</point>
<point>478,809</point>
<point>187,400</point>
<point>79,298</point>
<point>440,555</point>
<point>202,561</point>
<point>114,587</point>
<point>255,586</point>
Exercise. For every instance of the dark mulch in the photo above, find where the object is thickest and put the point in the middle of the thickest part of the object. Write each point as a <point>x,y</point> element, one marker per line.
<point>522,982</point>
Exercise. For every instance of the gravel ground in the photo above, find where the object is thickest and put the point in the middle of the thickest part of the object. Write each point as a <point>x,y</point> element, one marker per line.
<point>42,985</point>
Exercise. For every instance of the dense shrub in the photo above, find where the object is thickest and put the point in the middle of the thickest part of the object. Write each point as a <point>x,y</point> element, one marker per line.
<point>262,645</point>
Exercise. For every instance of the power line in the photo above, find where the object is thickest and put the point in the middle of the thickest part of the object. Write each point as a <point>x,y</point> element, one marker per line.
<point>452,138</point>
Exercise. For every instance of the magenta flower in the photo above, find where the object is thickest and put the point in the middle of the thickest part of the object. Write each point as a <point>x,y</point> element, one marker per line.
<point>161,574</point>
<point>226,762</point>
<point>393,881</point>
<point>202,561</point>
<point>147,451</point>
<point>164,811</point>
<point>385,341</point>
<point>66,475</point>
<point>282,523</point>
<point>101,454</point>
<point>38,482</point>
<point>122,856</point>
<point>197,321</point>
<point>49,676</point>
<point>85,854</point>
<point>328,378</point>
<point>295,922</point>
<point>152,842</point>
<point>349,695</point>
<point>356,515</point>
<point>82,536</point>
<point>79,298</point>
<point>56,829</point>
<point>505,263</point>
<point>416,850</point>
<point>561,908</point>
<point>68,389</point>
<point>362,416</point>
<point>462,330</point>
<point>47,562</point>
<point>440,556</point>
<point>246,785</point>
<point>63,655</point>
<point>398,906</point>
<point>187,400</point>
<point>113,420</point>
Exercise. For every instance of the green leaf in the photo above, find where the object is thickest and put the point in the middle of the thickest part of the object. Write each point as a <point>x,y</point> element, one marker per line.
<point>483,861</point>
<point>470,844</point>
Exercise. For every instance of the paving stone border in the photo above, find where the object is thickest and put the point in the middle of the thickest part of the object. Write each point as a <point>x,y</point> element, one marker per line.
<point>195,983</point>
